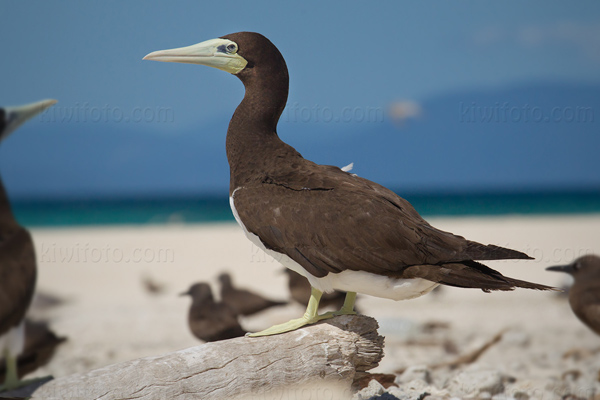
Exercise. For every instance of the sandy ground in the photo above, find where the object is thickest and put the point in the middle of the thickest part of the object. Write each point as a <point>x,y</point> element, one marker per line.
<point>109,316</point>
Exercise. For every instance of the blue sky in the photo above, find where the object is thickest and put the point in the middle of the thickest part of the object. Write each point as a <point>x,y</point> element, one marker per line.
<point>340,55</point>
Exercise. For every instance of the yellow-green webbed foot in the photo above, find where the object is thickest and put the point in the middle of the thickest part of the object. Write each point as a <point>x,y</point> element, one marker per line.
<point>347,307</point>
<point>309,317</point>
<point>11,380</point>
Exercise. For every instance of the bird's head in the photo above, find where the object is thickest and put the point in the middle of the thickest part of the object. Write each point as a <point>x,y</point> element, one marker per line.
<point>241,54</point>
<point>588,265</point>
<point>225,279</point>
<point>199,292</point>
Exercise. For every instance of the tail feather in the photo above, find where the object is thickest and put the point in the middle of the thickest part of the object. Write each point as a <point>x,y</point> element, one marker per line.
<point>470,274</point>
<point>478,251</point>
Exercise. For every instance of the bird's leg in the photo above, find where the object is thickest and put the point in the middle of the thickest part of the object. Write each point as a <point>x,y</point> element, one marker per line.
<point>347,307</point>
<point>309,317</point>
<point>11,380</point>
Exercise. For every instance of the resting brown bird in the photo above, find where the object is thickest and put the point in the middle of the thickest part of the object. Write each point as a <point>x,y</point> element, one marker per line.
<point>243,301</point>
<point>17,260</point>
<point>40,344</point>
<point>209,320</point>
<point>584,295</point>
<point>340,231</point>
<point>300,292</point>
<point>152,286</point>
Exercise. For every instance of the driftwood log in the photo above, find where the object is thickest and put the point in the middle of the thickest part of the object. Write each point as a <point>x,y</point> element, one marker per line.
<point>318,361</point>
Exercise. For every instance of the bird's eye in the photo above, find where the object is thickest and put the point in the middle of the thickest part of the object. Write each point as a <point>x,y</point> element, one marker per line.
<point>231,48</point>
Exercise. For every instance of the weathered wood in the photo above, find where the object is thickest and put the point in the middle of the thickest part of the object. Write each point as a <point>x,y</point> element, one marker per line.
<point>319,361</point>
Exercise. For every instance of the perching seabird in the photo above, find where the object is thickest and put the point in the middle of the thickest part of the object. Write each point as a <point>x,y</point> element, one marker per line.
<point>243,301</point>
<point>584,295</point>
<point>338,230</point>
<point>210,320</point>
<point>17,259</point>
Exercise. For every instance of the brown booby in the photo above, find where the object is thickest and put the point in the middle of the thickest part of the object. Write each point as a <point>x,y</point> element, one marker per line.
<point>17,259</point>
<point>152,286</point>
<point>584,294</point>
<point>243,301</point>
<point>210,320</point>
<point>340,231</point>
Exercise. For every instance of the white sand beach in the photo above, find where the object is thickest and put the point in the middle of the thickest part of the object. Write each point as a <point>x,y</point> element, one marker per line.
<point>108,315</point>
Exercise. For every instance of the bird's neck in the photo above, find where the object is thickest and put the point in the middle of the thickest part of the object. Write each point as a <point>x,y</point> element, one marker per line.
<point>199,304</point>
<point>7,220</point>
<point>252,141</point>
<point>226,285</point>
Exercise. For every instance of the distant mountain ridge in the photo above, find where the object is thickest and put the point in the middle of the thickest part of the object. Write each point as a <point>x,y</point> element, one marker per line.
<point>484,140</point>
<point>534,136</point>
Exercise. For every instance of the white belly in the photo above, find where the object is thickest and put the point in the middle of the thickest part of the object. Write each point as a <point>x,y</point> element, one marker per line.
<point>13,340</point>
<point>347,281</point>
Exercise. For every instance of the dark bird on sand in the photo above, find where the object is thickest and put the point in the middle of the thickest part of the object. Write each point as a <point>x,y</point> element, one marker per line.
<point>210,320</point>
<point>243,301</point>
<point>40,345</point>
<point>17,260</point>
<point>152,286</point>
<point>44,301</point>
<point>300,292</point>
<point>340,231</point>
<point>584,295</point>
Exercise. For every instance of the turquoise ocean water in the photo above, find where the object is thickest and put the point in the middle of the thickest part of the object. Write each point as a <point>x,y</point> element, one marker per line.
<point>216,209</point>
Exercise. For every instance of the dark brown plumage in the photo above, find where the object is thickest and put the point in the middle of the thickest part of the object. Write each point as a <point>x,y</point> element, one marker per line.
<point>328,220</point>
<point>300,292</point>
<point>584,295</point>
<point>40,345</point>
<point>17,258</point>
<point>210,320</point>
<point>17,268</point>
<point>243,301</point>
